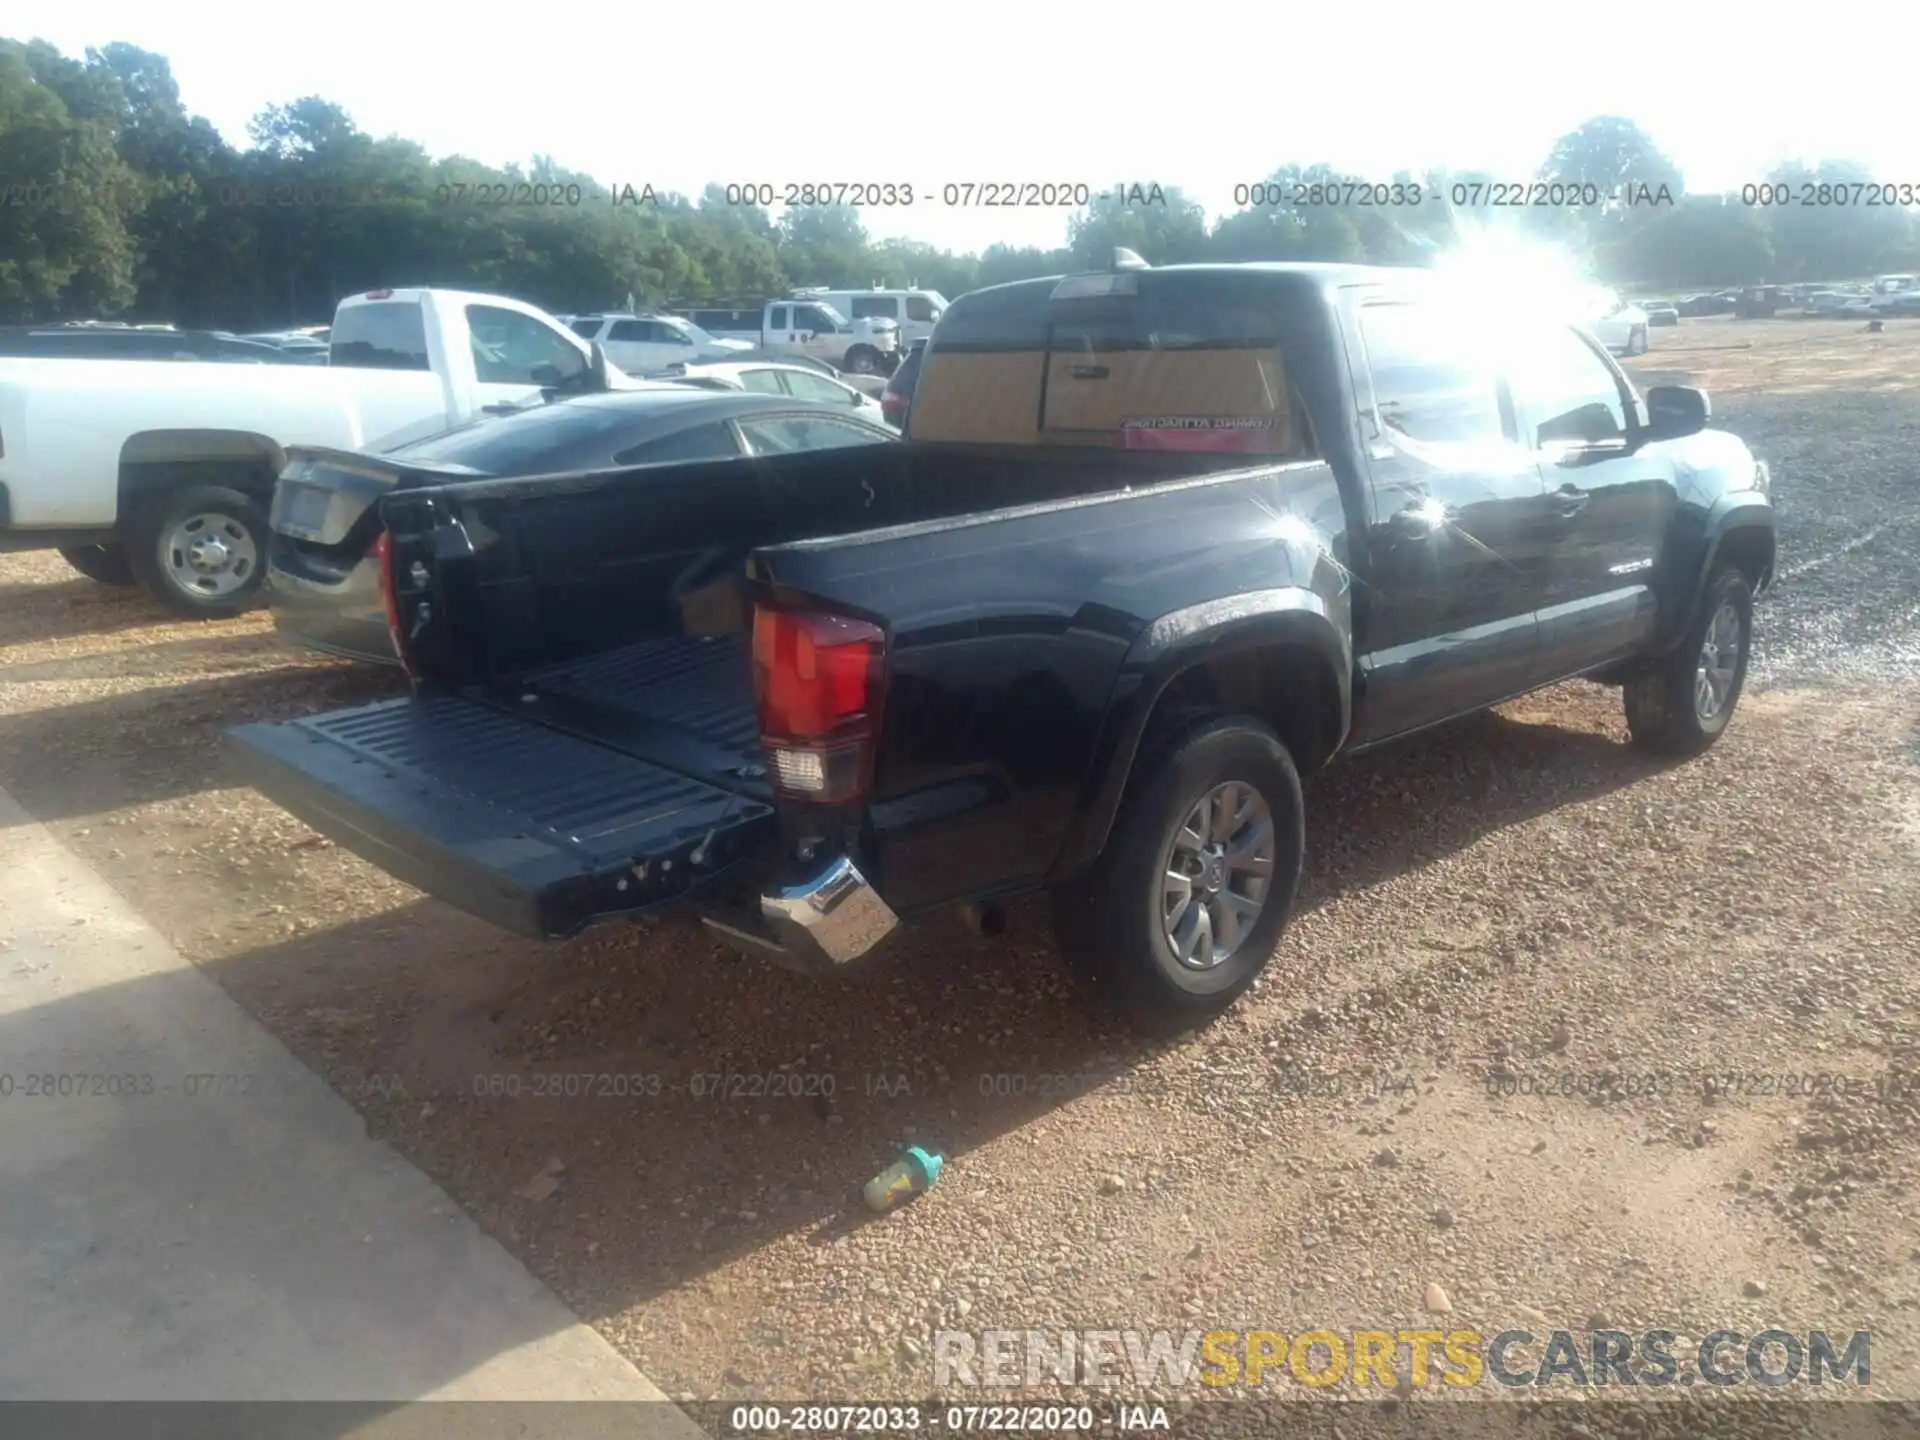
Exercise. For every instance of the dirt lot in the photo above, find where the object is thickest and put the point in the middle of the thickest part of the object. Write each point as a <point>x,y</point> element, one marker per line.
<point>1516,900</point>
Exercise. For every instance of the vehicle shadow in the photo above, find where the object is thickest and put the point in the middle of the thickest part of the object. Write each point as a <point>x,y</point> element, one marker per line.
<point>69,609</point>
<point>159,658</point>
<point>715,1104</point>
<point>1444,789</point>
<point>159,742</point>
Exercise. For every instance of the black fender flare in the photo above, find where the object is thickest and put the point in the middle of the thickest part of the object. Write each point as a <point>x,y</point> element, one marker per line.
<point>1741,513</point>
<point>1289,615</point>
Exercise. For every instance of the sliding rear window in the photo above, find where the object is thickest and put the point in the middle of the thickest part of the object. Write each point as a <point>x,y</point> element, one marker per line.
<point>1188,362</point>
<point>385,335</point>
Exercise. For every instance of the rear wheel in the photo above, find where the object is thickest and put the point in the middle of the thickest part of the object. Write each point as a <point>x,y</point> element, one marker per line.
<point>201,552</point>
<point>106,563</point>
<point>1680,704</point>
<point>1637,340</point>
<point>1187,902</point>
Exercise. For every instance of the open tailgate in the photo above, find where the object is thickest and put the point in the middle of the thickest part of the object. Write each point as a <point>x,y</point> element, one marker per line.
<point>536,831</point>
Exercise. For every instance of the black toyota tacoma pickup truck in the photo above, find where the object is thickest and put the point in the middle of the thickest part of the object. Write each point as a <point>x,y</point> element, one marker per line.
<point>1158,543</point>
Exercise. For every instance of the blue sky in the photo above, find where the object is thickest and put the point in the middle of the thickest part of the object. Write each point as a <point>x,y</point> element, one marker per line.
<point>1205,95</point>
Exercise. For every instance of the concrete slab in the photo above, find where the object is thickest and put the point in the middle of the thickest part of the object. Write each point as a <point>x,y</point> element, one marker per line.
<point>164,1237</point>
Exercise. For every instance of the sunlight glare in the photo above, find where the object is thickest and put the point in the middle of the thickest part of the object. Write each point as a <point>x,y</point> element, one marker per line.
<point>1493,266</point>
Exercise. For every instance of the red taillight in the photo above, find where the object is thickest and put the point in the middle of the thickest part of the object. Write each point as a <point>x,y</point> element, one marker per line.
<point>379,295</point>
<point>383,553</point>
<point>818,680</point>
<point>892,400</point>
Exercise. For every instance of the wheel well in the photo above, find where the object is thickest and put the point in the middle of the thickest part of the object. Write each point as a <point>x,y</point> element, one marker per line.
<point>157,462</point>
<point>1290,687</point>
<point>1750,550</point>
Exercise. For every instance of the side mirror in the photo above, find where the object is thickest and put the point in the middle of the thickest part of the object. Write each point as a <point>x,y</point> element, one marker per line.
<point>855,398</point>
<point>599,379</point>
<point>1674,411</point>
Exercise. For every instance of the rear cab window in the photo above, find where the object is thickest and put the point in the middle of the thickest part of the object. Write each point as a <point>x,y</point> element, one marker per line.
<point>1185,361</point>
<point>384,335</point>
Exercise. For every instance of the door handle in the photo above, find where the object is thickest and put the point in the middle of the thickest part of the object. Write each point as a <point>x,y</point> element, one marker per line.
<point>1570,499</point>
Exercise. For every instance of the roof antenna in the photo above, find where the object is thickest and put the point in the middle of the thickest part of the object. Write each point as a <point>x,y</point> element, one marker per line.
<point>1125,259</point>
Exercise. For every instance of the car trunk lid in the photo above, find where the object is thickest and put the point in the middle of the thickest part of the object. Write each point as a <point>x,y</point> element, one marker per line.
<point>328,497</point>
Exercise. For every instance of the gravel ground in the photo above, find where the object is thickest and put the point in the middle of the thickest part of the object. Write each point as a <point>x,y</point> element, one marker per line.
<point>1834,410</point>
<point>1517,899</point>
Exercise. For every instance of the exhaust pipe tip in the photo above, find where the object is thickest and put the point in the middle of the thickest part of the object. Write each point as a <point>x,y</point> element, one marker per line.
<point>984,918</point>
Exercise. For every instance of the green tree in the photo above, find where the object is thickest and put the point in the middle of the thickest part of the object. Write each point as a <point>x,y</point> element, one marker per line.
<point>1003,264</point>
<point>1614,159</point>
<point>1157,222</point>
<point>140,207</point>
<point>66,247</point>
<point>825,245</point>
<point>901,262</point>
<point>1704,240</point>
<point>1837,240</point>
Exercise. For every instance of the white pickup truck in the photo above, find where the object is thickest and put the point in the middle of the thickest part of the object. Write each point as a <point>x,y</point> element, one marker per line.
<point>811,328</point>
<point>161,473</point>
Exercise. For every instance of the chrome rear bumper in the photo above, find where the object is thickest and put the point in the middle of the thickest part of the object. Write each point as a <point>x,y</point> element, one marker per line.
<point>819,925</point>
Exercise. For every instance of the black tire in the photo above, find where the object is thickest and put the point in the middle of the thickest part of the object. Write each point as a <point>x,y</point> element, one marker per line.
<point>164,570</point>
<point>862,360</point>
<point>1112,926</point>
<point>1663,701</point>
<point>107,564</point>
<point>1637,340</point>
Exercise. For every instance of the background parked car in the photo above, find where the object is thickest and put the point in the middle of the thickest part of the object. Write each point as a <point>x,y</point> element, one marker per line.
<point>117,342</point>
<point>1838,303</point>
<point>898,396</point>
<point>298,345</point>
<point>323,568</point>
<point>1761,302</point>
<point>1621,326</point>
<point>775,378</point>
<point>641,343</point>
<point>1711,302</point>
<point>1659,312</point>
<point>916,312</point>
<point>868,346</point>
<point>757,355</point>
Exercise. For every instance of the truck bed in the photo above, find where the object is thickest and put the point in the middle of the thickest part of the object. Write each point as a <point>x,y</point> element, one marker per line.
<point>585,742</point>
<point>685,702</point>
